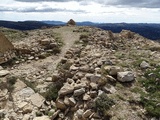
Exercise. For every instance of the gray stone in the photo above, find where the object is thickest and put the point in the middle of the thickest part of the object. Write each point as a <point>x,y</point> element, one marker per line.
<point>48,79</point>
<point>55,114</point>
<point>72,101</point>
<point>86,97</point>
<point>94,86</point>
<point>73,68</point>
<point>31,58</point>
<point>27,108</point>
<point>1,68</point>
<point>109,89</point>
<point>112,70</point>
<point>66,89</point>
<point>60,104</point>
<point>84,68</point>
<point>37,100</point>
<point>80,85</point>
<point>26,117</point>
<point>95,78</point>
<point>79,113</point>
<point>79,92</point>
<point>110,78</point>
<point>66,100</point>
<point>3,73</point>
<point>22,104</point>
<point>42,118</point>
<point>24,93</point>
<point>45,42</point>
<point>126,76</point>
<point>87,113</point>
<point>144,65</point>
<point>19,85</point>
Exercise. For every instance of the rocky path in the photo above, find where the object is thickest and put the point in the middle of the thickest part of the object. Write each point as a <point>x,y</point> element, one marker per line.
<point>49,63</point>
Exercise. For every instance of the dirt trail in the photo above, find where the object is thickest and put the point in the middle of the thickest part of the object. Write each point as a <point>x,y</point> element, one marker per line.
<point>49,63</point>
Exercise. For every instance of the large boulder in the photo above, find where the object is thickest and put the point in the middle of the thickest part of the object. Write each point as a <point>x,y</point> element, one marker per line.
<point>126,76</point>
<point>6,49</point>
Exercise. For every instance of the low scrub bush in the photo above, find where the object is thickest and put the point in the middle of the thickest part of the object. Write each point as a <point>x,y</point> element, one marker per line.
<point>151,100</point>
<point>103,103</point>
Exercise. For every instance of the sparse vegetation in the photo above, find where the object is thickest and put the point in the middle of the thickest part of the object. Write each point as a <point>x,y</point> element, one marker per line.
<point>8,84</point>
<point>151,100</point>
<point>29,83</point>
<point>103,103</point>
<point>51,93</point>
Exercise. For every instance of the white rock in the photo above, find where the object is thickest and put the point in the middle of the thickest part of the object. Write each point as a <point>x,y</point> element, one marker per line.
<point>55,114</point>
<point>66,100</point>
<point>60,104</point>
<point>112,70</point>
<point>23,94</point>
<point>72,101</point>
<point>79,113</point>
<point>19,85</point>
<point>126,76</point>
<point>86,97</point>
<point>73,68</point>
<point>79,92</point>
<point>87,113</point>
<point>66,89</point>
<point>144,65</point>
<point>22,104</point>
<point>94,86</point>
<point>37,100</point>
<point>42,118</point>
<point>27,108</point>
<point>49,79</point>
<point>3,73</point>
<point>109,89</point>
<point>45,42</point>
<point>1,68</point>
<point>31,58</point>
<point>95,78</point>
<point>26,117</point>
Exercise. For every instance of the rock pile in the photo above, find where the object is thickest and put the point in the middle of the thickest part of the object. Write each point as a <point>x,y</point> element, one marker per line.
<point>38,46</point>
<point>71,22</point>
<point>87,73</point>
<point>93,80</point>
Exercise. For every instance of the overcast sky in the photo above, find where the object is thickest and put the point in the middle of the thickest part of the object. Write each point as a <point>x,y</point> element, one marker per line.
<point>103,11</point>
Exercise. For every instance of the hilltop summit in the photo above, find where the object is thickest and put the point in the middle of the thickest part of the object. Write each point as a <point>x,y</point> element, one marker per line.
<point>71,22</point>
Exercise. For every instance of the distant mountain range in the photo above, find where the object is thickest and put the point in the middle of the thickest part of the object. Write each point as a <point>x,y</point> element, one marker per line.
<point>150,31</point>
<point>23,25</point>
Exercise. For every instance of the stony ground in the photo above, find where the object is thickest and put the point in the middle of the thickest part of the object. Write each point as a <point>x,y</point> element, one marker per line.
<point>80,73</point>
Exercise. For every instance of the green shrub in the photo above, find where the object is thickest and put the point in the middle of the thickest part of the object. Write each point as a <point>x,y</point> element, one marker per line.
<point>10,83</point>
<point>103,103</point>
<point>29,84</point>
<point>51,93</point>
<point>56,50</point>
<point>84,36</point>
<point>151,100</point>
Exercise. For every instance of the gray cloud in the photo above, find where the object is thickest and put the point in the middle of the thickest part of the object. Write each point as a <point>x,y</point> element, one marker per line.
<point>47,0</point>
<point>34,9</point>
<point>136,3</point>
<point>123,3</point>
